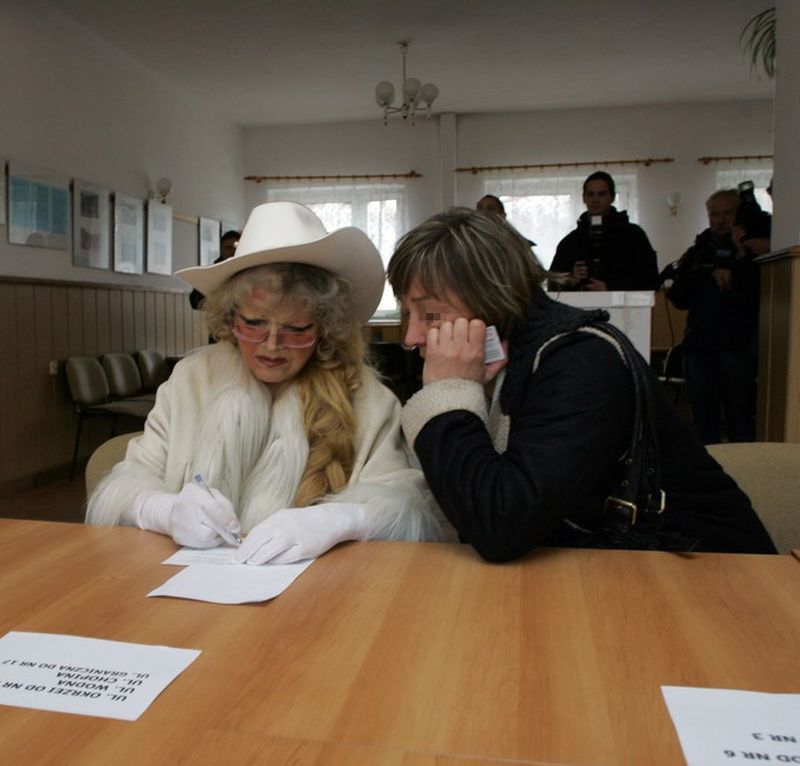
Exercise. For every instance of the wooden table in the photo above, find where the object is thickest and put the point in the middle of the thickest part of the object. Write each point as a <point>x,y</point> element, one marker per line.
<point>403,653</point>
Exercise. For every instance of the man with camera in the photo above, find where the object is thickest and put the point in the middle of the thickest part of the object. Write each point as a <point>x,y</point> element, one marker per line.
<point>605,251</point>
<point>717,281</point>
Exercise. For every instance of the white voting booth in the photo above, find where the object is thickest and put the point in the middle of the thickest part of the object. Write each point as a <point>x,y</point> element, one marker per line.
<point>629,310</point>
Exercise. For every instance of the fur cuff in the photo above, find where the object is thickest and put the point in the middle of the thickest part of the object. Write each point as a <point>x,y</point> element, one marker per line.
<point>399,508</point>
<point>438,398</point>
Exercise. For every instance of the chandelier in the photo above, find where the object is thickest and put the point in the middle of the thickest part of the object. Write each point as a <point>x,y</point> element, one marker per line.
<point>416,97</point>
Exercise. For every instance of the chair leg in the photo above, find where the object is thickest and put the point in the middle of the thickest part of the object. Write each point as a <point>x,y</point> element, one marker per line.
<point>77,444</point>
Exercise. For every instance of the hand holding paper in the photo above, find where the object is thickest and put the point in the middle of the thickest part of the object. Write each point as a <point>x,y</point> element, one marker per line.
<point>197,516</point>
<point>294,534</point>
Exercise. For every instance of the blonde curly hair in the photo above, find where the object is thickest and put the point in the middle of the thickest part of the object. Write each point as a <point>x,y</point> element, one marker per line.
<point>329,379</point>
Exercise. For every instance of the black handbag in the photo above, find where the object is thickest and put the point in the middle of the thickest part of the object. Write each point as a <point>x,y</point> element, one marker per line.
<point>635,516</point>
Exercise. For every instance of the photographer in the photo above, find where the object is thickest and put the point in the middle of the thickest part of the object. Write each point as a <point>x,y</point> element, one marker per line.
<point>753,226</point>
<point>717,281</point>
<point>605,251</point>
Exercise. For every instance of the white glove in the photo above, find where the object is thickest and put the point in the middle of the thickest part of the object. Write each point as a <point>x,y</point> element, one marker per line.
<point>294,534</point>
<point>197,517</point>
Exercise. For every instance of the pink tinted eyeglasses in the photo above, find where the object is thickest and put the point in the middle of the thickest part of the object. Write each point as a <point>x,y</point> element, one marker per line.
<point>258,331</point>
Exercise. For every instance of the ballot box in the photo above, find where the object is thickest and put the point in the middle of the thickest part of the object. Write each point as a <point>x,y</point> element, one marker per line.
<point>629,310</point>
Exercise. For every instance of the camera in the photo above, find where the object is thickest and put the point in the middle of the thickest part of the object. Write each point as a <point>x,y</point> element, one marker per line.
<point>750,216</point>
<point>594,263</point>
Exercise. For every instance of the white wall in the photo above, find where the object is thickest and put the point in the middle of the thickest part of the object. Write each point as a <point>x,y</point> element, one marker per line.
<point>786,228</point>
<point>348,148</point>
<point>74,105</point>
<point>684,132</point>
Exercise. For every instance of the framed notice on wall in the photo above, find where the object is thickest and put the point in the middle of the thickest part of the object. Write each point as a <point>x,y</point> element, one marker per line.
<point>209,241</point>
<point>91,225</point>
<point>38,210</point>
<point>128,234</point>
<point>159,238</point>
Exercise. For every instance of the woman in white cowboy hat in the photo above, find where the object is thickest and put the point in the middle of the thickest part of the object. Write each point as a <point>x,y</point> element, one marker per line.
<point>279,432</point>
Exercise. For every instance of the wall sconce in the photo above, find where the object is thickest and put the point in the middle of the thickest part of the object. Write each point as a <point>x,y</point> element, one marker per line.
<point>162,190</point>
<point>674,200</point>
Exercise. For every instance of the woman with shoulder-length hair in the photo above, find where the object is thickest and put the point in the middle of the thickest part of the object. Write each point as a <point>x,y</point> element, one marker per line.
<point>280,431</point>
<point>569,441</point>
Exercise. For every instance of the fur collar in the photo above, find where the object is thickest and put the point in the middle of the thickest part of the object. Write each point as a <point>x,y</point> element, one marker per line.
<point>251,446</point>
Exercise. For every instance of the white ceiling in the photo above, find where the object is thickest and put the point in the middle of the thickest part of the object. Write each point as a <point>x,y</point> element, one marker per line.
<point>292,61</point>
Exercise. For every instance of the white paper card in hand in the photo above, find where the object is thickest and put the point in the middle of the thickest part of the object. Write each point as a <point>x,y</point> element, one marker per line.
<point>492,348</point>
<point>90,676</point>
<point>730,727</point>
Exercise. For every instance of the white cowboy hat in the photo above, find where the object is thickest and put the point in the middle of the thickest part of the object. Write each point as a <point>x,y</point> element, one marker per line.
<point>288,232</point>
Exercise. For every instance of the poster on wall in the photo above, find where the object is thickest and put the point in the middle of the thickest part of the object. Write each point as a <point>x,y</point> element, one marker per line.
<point>128,234</point>
<point>3,193</point>
<point>38,210</point>
<point>159,238</point>
<point>209,241</point>
<point>91,225</point>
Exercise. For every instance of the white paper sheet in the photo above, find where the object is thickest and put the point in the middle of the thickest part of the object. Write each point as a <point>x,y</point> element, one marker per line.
<point>89,676</point>
<point>186,556</point>
<point>232,584</point>
<point>728,726</point>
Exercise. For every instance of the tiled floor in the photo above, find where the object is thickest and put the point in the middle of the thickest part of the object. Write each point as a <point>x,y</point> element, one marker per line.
<point>61,500</point>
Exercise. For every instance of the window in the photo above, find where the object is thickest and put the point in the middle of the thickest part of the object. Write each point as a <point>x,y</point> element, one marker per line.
<point>545,208</point>
<point>760,176</point>
<point>377,209</point>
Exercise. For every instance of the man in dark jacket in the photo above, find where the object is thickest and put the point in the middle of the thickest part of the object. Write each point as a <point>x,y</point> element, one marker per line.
<point>227,248</point>
<point>717,281</point>
<point>606,251</point>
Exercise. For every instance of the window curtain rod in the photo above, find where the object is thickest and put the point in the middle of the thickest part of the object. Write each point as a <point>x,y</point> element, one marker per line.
<point>364,177</point>
<point>559,165</point>
<point>735,158</point>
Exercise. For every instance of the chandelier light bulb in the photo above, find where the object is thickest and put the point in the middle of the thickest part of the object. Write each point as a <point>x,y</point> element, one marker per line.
<point>414,93</point>
<point>384,93</point>
<point>411,89</point>
<point>429,93</point>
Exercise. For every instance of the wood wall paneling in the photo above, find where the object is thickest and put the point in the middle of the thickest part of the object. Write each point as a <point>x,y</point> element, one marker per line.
<point>50,321</point>
<point>8,353</point>
<point>103,321</point>
<point>668,324</point>
<point>779,349</point>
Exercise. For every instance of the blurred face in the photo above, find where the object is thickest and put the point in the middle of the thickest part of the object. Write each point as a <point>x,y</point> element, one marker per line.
<point>597,197</point>
<point>228,247</point>
<point>424,311</point>
<point>722,215</point>
<point>276,337</point>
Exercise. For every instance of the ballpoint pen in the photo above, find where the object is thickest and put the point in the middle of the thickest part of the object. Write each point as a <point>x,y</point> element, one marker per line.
<point>229,537</point>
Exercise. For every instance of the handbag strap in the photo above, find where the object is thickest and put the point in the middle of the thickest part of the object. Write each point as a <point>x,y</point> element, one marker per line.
<point>639,489</point>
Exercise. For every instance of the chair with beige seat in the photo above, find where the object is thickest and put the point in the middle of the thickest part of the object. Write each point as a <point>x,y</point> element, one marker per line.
<point>769,472</point>
<point>104,458</point>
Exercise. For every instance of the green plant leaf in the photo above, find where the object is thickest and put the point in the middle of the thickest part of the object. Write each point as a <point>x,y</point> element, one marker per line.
<point>758,38</point>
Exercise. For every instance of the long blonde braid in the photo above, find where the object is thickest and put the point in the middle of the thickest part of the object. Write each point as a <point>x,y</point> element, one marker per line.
<point>329,380</point>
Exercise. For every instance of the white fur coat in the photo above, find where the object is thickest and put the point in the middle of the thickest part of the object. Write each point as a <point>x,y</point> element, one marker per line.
<point>214,418</point>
